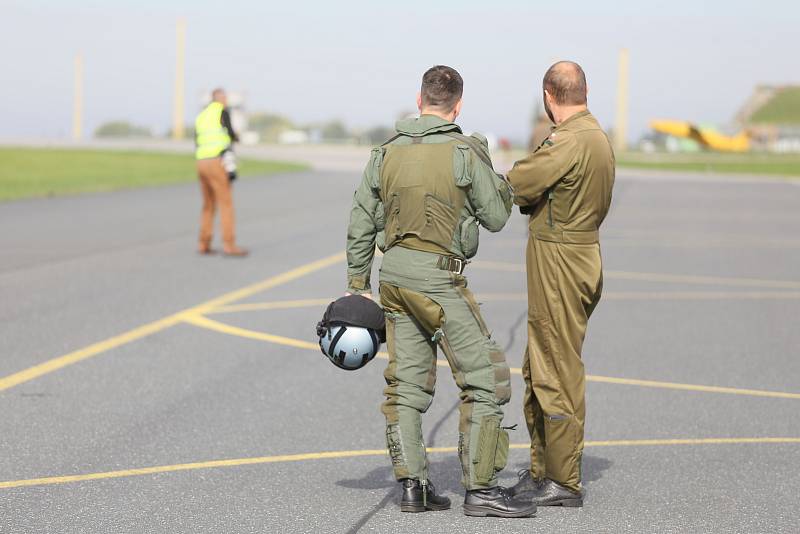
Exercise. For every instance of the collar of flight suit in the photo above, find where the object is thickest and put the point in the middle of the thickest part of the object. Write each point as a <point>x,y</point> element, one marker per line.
<point>425,125</point>
<point>569,120</point>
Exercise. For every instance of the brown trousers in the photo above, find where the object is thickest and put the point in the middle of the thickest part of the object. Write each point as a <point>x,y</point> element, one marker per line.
<point>216,190</point>
<point>565,282</point>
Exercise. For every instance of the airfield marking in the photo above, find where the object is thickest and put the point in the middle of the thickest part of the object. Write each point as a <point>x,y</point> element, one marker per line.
<point>216,326</point>
<point>655,277</point>
<point>222,301</point>
<point>523,297</point>
<point>235,462</point>
<point>85,353</point>
<point>205,322</point>
<point>156,326</point>
<point>273,305</point>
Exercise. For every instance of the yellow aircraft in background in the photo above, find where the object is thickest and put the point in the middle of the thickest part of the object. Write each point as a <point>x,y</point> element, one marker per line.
<point>706,137</point>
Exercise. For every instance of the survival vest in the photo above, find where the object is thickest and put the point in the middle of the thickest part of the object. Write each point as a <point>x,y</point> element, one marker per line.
<point>422,203</point>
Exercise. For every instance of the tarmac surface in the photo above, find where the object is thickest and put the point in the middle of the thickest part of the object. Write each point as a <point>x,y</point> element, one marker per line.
<point>144,388</point>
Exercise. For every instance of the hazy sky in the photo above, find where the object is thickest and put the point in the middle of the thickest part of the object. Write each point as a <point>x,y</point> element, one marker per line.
<point>361,61</point>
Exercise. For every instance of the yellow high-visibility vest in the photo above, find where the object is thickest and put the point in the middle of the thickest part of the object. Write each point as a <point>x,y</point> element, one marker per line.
<point>212,138</point>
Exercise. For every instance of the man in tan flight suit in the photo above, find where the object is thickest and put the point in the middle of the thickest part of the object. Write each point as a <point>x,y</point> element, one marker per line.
<point>565,187</point>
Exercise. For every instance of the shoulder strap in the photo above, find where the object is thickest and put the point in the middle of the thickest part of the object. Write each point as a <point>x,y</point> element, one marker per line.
<point>474,145</point>
<point>415,139</point>
<point>393,138</point>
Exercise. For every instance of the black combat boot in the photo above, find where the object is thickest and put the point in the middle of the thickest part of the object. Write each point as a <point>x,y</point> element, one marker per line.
<point>496,502</point>
<point>420,496</point>
<point>526,486</point>
<point>551,493</point>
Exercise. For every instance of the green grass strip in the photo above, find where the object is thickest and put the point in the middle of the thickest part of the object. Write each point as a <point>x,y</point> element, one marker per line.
<point>38,172</point>
<point>753,164</point>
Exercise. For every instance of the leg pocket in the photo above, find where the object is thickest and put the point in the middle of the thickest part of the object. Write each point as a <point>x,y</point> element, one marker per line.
<point>394,444</point>
<point>501,454</point>
<point>492,453</point>
<point>562,450</point>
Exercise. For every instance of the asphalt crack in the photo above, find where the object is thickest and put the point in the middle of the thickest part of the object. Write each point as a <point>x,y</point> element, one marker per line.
<point>375,509</point>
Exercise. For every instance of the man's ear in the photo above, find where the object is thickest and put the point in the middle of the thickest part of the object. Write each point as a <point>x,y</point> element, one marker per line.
<point>457,108</point>
<point>419,101</point>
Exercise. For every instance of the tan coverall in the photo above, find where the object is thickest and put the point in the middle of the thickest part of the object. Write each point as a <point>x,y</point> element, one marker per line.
<point>565,186</point>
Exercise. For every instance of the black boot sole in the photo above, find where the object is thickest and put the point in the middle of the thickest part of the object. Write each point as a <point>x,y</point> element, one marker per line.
<point>484,511</point>
<point>416,508</point>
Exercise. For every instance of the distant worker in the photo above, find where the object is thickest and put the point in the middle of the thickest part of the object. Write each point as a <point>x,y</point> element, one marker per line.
<point>214,137</point>
<point>421,198</point>
<point>565,186</point>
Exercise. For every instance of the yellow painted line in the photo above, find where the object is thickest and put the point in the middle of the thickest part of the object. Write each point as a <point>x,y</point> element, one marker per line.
<point>156,326</point>
<point>217,326</point>
<point>691,387</point>
<point>269,283</point>
<point>655,277</point>
<point>236,462</point>
<point>274,305</point>
<point>92,350</point>
<point>210,324</point>
<point>187,467</point>
<point>523,297</point>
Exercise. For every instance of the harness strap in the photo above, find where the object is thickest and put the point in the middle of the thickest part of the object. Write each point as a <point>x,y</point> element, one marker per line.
<point>474,145</point>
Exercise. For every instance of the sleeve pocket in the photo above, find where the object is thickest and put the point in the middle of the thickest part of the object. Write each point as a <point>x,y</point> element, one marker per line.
<point>462,165</point>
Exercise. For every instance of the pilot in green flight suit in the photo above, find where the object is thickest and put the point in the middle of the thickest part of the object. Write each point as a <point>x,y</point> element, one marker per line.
<point>422,197</point>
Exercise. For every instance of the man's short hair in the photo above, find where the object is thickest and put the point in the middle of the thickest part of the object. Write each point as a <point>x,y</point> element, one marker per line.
<point>566,83</point>
<point>442,87</point>
<point>216,93</point>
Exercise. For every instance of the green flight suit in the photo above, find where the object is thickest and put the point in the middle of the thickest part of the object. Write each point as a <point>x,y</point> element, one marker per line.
<point>565,186</point>
<point>421,199</point>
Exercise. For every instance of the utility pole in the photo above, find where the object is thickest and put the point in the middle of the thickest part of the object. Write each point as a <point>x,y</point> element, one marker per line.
<point>621,125</point>
<point>77,98</point>
<point>180,57</point>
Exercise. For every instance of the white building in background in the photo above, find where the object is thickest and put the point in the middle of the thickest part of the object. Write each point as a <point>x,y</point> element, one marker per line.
<point>293,137</point>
